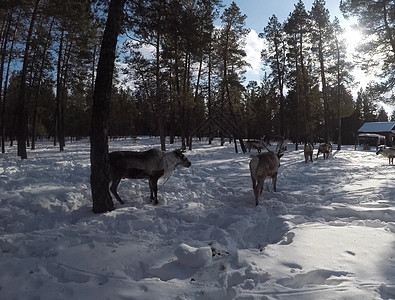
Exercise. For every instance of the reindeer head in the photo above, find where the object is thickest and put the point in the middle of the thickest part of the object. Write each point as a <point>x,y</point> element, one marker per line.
<point>181,158</point>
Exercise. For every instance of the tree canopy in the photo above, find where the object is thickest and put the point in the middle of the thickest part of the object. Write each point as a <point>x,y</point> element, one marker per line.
<point>181,63</point>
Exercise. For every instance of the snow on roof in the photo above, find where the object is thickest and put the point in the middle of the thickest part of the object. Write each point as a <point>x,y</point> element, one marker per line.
<point>371,135</point>
<point>377,127</point>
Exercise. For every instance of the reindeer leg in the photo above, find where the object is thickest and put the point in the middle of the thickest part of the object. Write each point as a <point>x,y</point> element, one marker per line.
<point>151,188</point>
<point>261,187</point>
<point>255,189</point>
<point>113,189</point>
<point>258,190</point>
<point>253,183</point>
<point>156,190</point>
<point>256,193</point>
<point>274,179</point>
<point>153,184</point>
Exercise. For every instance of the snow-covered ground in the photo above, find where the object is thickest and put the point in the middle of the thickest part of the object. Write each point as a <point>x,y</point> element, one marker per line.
<point>327,233</point>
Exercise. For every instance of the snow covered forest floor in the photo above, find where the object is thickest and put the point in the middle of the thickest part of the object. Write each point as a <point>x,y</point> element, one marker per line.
<point>327,233</point>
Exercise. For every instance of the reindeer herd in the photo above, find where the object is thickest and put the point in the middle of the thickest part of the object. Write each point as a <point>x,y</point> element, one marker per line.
<point>154,164</point>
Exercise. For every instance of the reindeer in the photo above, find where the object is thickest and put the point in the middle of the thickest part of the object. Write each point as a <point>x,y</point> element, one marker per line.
<point>262,166</point>
<point>325,149</point>
<point>387,152</point>
<point>308,152</point>
<point>152,164</point>
<point>256,144</point>
<point>330,145</point>
<point>282,144</point>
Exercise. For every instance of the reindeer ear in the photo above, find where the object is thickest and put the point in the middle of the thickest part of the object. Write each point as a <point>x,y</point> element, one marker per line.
<point>179,151</point>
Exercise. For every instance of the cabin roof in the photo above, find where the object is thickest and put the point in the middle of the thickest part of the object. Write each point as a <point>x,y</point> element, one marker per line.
<point>371,135</point>
<point>374,127</point>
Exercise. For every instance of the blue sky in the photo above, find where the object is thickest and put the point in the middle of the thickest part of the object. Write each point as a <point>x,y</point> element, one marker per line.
<point>258,13</point>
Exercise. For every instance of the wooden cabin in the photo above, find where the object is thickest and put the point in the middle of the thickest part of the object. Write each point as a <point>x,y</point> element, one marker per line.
<point>375,134</point>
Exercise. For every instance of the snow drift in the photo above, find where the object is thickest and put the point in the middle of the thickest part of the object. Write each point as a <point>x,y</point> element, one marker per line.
<point>327,233</point>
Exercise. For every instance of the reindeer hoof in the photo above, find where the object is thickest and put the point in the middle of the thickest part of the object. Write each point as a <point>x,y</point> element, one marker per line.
<point>156,202</point>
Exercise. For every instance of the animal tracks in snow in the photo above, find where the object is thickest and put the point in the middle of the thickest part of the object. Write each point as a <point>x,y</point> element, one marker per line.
<point>327,233</point>
<point>312,278</point>
<point>288,238</point>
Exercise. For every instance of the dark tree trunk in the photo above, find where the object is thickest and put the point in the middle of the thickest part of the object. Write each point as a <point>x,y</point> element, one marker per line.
<point>62,97</point>
<point>39,79</point>
<point>21,110</point>
<point>4,48</point>
<point>58,93</point>
<point>101,197</point>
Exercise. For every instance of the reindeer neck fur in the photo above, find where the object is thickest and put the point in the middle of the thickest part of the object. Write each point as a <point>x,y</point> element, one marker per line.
<point>170,162</point>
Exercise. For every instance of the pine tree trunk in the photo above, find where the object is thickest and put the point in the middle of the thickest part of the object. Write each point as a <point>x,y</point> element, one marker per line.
<point>4,48</point>
<point>21,109</point>
<point>101,197</point>
<point>38,92</point>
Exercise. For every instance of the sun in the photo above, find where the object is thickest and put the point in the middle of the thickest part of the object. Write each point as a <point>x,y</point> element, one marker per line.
<point>353,38</point>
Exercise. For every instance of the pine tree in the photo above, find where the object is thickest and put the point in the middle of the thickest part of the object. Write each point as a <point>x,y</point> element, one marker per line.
<point>230,44</point>
<point>339,76</point>
<point>382,115</point>
<point>101,197</point>
<point>297,28</point>
<point>275,57</point>
<point>22,112</point>
<point>376,19</point>
<point>321,35</point>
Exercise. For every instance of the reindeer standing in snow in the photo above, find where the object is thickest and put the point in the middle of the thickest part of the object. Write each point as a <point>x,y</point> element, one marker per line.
<point>325,149</point>
<point>387,152</point>
<point>262,166</point>
<point>152,164</point>
<point>308,152</point>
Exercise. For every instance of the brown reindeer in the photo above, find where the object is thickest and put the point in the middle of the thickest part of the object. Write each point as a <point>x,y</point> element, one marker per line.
<point>256,144</point>
<point>387,152</point>
<point>325,149</point>
<point>308,152</point>
<point>263,166</point>
<point>152,164</point>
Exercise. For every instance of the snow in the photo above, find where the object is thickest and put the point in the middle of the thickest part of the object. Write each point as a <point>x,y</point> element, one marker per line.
<point>327,233</point>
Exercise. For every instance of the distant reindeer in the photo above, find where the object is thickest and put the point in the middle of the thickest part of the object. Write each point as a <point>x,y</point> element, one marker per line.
<point>325,149</point>
<point>330,145</point>
<point>387,152</point>
<point>262,166</point>
<point>308,152</point>
<point>152,164</point>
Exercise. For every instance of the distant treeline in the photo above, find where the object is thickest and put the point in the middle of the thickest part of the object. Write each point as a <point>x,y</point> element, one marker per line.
<point>175,70</point>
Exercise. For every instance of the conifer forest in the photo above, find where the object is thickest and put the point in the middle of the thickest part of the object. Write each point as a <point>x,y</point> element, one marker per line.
<point>179,70</point>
